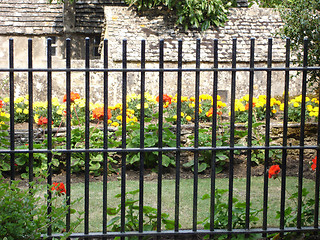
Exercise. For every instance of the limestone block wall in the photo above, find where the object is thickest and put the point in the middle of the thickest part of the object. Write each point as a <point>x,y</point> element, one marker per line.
<point>121,23</point>
<point>244,24</point>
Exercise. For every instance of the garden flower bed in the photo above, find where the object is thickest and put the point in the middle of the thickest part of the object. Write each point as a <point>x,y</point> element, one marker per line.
<point>151,108</point>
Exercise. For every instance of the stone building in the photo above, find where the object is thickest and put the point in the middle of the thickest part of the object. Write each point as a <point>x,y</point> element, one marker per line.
<point>98,19</point>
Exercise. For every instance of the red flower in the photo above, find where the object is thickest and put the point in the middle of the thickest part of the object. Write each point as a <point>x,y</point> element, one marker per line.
<point>73,96</point>
<point>314,164</point>
<point>98,113</point>
<point>1,104</point>
<point>274,171</point>
<point>59,187</point>
<point>166,98</point>
<point>42,121</point>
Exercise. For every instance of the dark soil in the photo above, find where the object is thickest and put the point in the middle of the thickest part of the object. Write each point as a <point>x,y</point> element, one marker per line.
<point>239,168</point>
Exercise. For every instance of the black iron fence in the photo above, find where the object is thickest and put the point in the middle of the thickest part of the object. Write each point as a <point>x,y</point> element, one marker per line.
<point>178,149</point>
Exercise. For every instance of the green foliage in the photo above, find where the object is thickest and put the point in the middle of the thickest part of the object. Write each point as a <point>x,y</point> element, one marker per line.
<point>132,216</point>
<point>259,139</point>
<point>221,214</point>
<point>205,140</point>
<point>4,144</point>
<point>200,14</point>
<point>301,19</point>
<point>151,137</point>
<point>78,142</point>
<point>307,210</point>
<point>266,3</point>
<point>23,214</point>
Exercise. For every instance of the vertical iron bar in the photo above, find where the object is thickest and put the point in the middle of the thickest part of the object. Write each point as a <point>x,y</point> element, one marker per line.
<point>30,93</point>
<point>302,127</point>
<point>87,137</point>
<point>142,154</point>
<point>160,143</point>
<point>248,183</point>
<point>123,138</point>
<point>49,145</point>
<point>68,132</point>
<point>285,136</point>
<point>196,138</point>
<point>267,139</point>
<point>232,128</point>
<point>214,132</point>
<point>178,137</point>
<point>11,82</point>
<point>105,137</point>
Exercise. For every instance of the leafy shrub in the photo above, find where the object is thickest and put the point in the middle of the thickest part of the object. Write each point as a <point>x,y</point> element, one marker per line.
<point>23,213</point>
<point>132,216</point>
<point>151,138</point>
<point>205,140</point>
<point>238,214</point>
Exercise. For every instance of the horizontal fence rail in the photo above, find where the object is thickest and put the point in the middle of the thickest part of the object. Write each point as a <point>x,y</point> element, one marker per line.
<point>196,149</point>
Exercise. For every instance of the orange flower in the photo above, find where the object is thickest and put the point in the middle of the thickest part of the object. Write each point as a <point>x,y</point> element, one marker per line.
<point>274,171</point>
<point>314,164</point>
<point>247,106</point>
<point>166,98</point>
<point>210,112</point>
<point>98,113</point>
<point>1,104</point>
<point>59,187</point>
<point>73,96</point>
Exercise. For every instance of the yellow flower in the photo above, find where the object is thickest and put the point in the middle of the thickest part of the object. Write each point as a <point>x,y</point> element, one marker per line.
<point>6,99</point>
<point>182,114</point>
<point>119,118</point>
<point>7,115</point>
<point>112,107</point>
<point>296,104</point>
<point>2,114</point>
<point>188,118</point>
<point>309,108</point>
<point>192,99</point>
<point>130,111</point>
<point>19,100</point>
<point>246,97</point>
<point>273,110</point>
<point>19,110</point>
<point>118,105</point>
<point>146,105</point>
<point>191,105</point>
<point>59,112</point>
<point>25,111</point>
<point>184,99</point>
<point>26,102</point>
<point>109,121</point>
<point>115,124</point>
<point>175,117</point>
<point>282,106</point>
<point>55,102</point>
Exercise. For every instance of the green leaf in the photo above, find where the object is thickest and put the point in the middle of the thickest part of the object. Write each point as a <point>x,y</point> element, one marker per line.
<point>166,161</point>
<point>112,211</point>
<point>113,221</point>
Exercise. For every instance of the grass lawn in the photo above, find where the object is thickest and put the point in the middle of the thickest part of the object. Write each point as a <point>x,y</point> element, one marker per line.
<point>186,197</point>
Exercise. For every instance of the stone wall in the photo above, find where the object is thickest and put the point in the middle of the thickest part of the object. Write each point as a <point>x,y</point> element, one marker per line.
<point>123,23</point>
